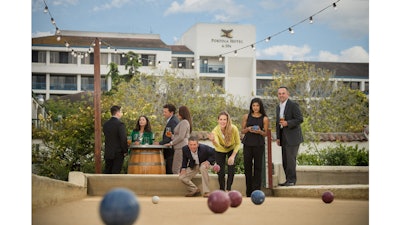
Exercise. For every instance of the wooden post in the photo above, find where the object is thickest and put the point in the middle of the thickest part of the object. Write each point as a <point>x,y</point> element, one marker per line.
<point>269,159</point>
<point>97,109</point>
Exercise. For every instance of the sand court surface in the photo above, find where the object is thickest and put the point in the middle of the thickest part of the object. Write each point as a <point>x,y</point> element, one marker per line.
<point>183,210</point>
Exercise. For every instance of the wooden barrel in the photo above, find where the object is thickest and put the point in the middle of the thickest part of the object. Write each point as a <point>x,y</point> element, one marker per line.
<point>146,159</point>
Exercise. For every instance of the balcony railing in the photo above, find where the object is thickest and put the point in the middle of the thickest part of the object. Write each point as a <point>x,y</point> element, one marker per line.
<point>205,68</point>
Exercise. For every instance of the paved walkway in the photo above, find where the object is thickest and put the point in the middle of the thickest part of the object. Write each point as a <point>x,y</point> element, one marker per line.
<point>193,211</point>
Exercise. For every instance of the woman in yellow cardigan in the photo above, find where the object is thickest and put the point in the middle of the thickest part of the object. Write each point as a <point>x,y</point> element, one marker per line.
<point>142,133</point>
<point>226,140</point>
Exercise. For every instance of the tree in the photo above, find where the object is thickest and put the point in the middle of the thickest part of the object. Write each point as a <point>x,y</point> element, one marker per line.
<point>70,144</point>
<point>327,106</point>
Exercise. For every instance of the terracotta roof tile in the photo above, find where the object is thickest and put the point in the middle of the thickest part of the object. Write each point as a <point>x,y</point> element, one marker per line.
<point>322,137</point>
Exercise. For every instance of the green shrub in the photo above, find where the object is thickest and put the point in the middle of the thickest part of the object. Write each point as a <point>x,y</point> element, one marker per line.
<point>335,156</point>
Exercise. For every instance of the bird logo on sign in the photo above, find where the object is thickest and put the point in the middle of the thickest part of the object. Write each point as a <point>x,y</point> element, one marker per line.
<point>227,33</point>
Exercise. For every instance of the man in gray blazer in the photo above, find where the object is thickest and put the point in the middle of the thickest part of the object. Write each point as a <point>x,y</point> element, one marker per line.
<point>288,133</point>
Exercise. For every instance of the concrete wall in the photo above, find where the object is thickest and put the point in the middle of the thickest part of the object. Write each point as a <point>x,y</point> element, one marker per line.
<point>346,182</point>
<point>48,192</point>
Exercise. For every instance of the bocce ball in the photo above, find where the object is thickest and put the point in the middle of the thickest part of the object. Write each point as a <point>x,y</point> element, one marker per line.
<point>257,197</point>
<point>119,207</point>
<point>216,168</point>
<point>327,197</point>
<point>218,201</point>
<point>235,197</point>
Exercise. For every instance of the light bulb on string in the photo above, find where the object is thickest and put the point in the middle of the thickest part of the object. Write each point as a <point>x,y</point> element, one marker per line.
<point>46,9</point>
<point>291,30</point>
<point>267,39</point>
<point>311,19</point>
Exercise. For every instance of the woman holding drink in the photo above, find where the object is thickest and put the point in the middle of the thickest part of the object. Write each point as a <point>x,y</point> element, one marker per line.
<point>180,138</point>
<point>142,134</point>
<point>254,127</point>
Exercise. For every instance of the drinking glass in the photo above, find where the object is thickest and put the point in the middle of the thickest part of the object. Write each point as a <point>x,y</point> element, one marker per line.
<point>146,140</point>
<point>168,132</point>
<point>136,137</point>
<point>281,119</point>
<point>129,138</point>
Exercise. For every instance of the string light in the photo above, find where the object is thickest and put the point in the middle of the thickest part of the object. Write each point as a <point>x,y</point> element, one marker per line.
<point>291,30</point>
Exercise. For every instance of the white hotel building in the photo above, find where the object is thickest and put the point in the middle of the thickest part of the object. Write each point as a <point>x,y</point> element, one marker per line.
<point>56,71</point>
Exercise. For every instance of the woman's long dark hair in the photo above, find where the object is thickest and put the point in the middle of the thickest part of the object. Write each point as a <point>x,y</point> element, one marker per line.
<point>259,101</point>
<point>147,128</point>
<point>185,114</point>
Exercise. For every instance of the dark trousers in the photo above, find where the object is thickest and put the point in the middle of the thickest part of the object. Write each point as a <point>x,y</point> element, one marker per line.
<point>289,155</point>
<point>168,157</point>
<point>220,159</point>
<point>114,166</point>
<point>253,158</point>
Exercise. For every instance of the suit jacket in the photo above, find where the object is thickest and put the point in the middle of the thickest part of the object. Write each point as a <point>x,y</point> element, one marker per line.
<point>204,152</point>
<point>292,132</point>
<point>115,138</point>
<point>171,123</point>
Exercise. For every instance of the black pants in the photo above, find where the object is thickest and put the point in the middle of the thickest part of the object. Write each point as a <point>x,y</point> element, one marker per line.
<point>253,158</point>
<point>168,157</point>
<point>289,160</point>
<point>220,159</point>
<point>114,166</point>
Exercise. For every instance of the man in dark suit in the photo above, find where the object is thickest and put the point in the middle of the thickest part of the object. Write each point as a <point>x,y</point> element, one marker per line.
<point>116,144</point>
<point>196,158</point>
<point>288,133</point>
<point>169,114</point>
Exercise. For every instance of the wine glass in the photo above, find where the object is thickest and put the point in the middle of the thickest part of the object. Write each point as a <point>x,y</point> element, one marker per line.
<point>140,139</point>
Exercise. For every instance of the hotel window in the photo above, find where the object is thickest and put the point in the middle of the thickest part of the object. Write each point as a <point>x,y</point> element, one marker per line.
<point>61,57</point>
<point>63,82</point>
<point>115,58</point>
<point>123,60</point>
<point>39,81</point>
<point>38,56</point>
<point>90,59</point>
<point>148,60</point>
<point>182,62</point>
<point>87,83</point>
<point>366,88</point>
<point>355,85</point>
<point>261,84</point>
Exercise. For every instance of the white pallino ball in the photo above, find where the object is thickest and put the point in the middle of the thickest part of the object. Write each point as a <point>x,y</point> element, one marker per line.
<point>155,199</point>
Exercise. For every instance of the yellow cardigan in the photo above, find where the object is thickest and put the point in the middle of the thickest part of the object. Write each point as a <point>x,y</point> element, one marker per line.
<point>220,141</point>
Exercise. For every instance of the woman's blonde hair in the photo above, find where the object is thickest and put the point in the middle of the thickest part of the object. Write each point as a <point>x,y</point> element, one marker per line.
<point>228,129</point>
